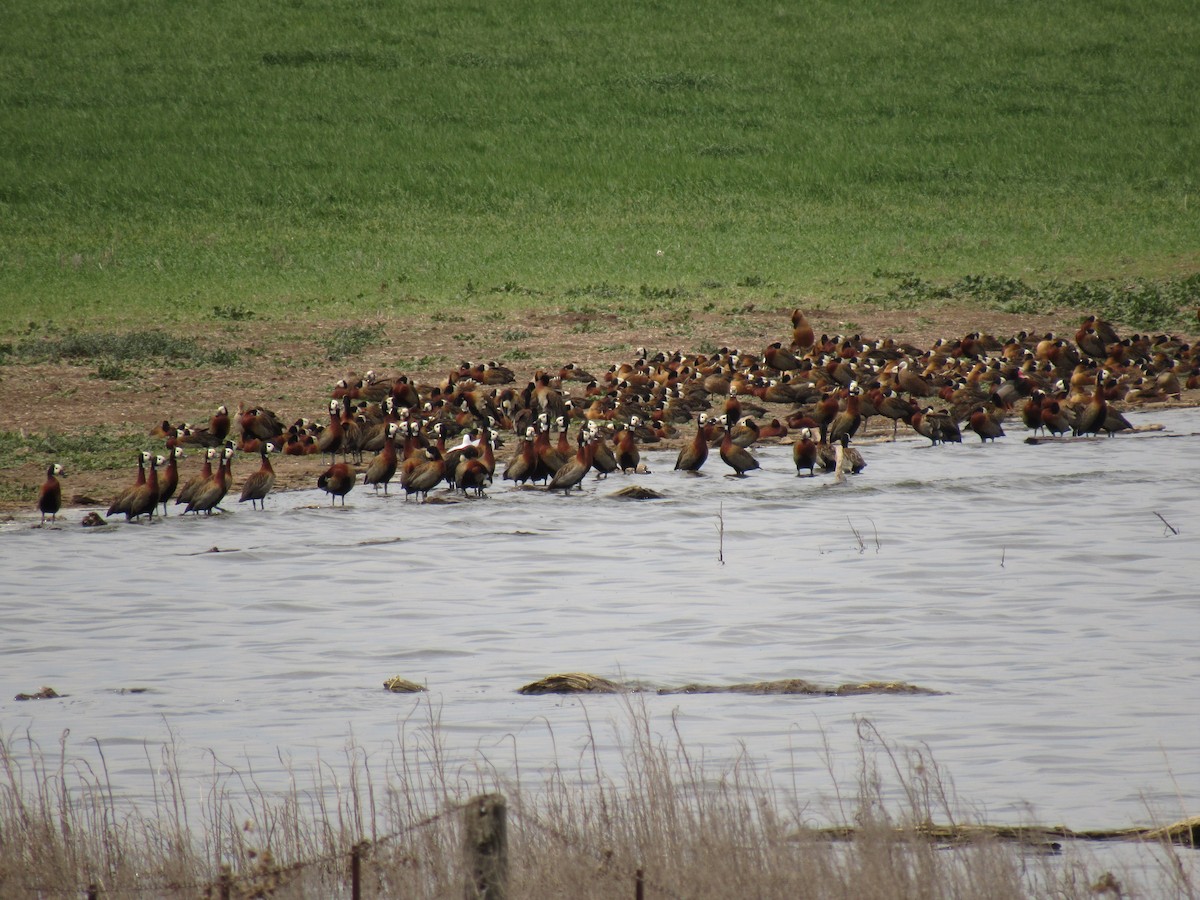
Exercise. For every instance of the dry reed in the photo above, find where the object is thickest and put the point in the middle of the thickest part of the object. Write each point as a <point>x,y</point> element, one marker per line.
<point>695,830</point>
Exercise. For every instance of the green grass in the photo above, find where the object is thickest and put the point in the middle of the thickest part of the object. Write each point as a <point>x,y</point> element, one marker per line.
<point>305,158</point>
<point>92,449</point>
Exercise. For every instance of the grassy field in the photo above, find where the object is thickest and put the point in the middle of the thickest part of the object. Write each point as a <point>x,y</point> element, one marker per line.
<point>305,158</point>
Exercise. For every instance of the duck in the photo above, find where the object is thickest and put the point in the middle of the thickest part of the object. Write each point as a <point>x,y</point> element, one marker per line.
<point>471,473</point>
<point>848,420</point>
<point>524,462</point>
<point>425,477</point>
<point>125,500</point>
<point>780,359</point>
<point>984,425</point>
<point>890,406</point>
<point>382,467</point>
<point>693,455</point>
<point>737,458</point>
<point>331,440</point>
<point>803,336</point>
<point>259,484</point>
<point>604,461</point>
<point>337,481</point>
<point>626,451</point>
<point>804,452</point>
<point>209,495</point>
<point>50,496</point>
<point>205,473</point>
<point>168,481</point>
<point>572,472</point>
<point>840,458</point>
<point>1091,417</point>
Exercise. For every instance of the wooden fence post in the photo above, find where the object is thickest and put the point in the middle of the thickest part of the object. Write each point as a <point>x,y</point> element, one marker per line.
<point>356,871</point>
<point>485,848</point>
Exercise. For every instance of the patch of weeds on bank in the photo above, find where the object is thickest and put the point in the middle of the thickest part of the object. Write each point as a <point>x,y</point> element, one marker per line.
<point>349,340</point>
<point>111,349</point>
<point>601,291</point>
<point>233,313</point>
<point>1137,302</point>
<point>92,449</point>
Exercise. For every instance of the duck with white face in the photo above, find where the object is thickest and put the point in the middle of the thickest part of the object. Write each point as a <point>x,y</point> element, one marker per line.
<point>50,495</point>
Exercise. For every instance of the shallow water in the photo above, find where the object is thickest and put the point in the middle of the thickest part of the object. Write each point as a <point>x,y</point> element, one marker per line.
<point>1035,585</point>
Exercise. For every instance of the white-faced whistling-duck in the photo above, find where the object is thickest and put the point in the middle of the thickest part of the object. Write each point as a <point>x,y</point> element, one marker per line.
<point>426,476</point>
<point>383,467</point>
<point>572,472</point>
<point>50,495</point>
<point>982,423</point>
<point>737,458</point>
<point>804,452</point>
<point>259,484</point>
<point>168,479</point>
<point>209,495</point>
<point>192,484</point>
<point>693,455</point>
<point>521,467</point>
<point>123,500</point>
<point>337,481</point>
<point>331,439</point>
<point>1092,417</point>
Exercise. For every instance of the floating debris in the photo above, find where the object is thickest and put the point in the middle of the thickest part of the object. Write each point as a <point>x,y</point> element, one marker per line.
<point>636,492</point>
<point>1185,832</point>
<point>398,685</point>
<point>573,683</point>
<point>800,686</point>
<point>92,520</point>
<point>46,693</point>
<point>132,690</point>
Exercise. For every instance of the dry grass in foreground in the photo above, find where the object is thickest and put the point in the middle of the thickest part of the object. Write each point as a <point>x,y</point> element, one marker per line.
<point>692,831</point>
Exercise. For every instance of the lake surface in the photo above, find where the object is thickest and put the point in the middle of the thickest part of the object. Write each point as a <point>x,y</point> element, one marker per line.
<point>1035,585</point>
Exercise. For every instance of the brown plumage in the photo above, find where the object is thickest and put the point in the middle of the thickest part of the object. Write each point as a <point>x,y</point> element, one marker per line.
<point>847,421</point>
<point>259,484</point>
<point>694,454</point>
<point>572,472</point>
<point>192,484</point>
<point>125,500</point>
<point>737,458</point>
<point>804,452</point>
<point>1091,418</point>
<point>337,481</point>
<point>425,476</point>
<point>521,467</point>
<point>209,495</point>
<point>168,481</point>
<point>984,425</point>
<point>383,467</point>
<point>803,336</point>
<point>626,451</point>
<point>50,495</point>
<point>331,440</point>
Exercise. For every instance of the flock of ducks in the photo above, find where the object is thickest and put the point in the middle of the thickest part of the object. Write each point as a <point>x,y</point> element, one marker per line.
<point>424,435</point>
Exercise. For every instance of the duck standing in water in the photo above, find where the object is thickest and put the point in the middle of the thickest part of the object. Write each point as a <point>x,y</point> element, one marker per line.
<point>337,481</point>
<point>737,458</point>
<point>50,496</point>
<point>259,484</point>
<point>692,456</point>
<point>804,452</point>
